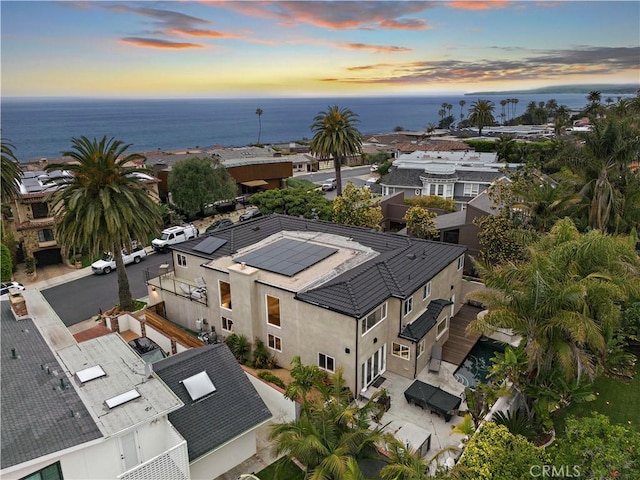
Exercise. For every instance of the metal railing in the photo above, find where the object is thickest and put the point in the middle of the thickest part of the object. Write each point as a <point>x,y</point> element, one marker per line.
<point>167,282</point>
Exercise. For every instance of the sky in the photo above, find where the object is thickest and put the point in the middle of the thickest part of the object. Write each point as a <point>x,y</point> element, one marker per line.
<point>202,49</point>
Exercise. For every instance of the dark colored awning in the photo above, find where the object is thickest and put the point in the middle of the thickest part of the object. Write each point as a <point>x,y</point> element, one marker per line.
<point>254,183</point>
<point>417,329</point>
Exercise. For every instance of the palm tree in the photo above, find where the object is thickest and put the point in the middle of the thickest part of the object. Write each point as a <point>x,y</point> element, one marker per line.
<point>11,172</point>
<point>594,97</point>
<point>503,103</point>
<point>335,136</point>
<point>482,114</point>
<point>259,112</point>
<point>515,104</point>
<point>104,206</point>
<point>462,103</point>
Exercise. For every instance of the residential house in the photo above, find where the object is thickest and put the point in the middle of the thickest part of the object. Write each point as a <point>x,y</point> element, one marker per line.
<point>221,408</point>
<point>88,410</point>
<point>457,175</point>
<point>31,215</point>
<point>336,295</point>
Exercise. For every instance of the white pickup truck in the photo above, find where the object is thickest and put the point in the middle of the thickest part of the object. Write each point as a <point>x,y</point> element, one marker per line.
<point>108,263</point>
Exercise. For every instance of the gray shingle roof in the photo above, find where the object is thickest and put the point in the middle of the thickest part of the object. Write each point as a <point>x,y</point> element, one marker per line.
<point>234,408</point>
<point>425,322</point>
<point>36,413</point>
<point>404,177</point>
<point>403,266</point>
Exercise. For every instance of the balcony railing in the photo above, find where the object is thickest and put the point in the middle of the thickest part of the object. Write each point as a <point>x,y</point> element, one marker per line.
<point>172,464</point>
<point>166,280</point>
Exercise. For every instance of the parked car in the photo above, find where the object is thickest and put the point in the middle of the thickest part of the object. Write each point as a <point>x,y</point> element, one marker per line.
<point>374,167</point>
<point>172,235</point>
<point>108,262</point>
<point>250,214</point>
<point>5,287</point>
<point>329,184</point>
<point>148,350</point>
<point>218,224</point>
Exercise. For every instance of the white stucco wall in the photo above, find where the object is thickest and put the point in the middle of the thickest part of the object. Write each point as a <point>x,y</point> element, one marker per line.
<point>282,409</point>
<point>225,458</point>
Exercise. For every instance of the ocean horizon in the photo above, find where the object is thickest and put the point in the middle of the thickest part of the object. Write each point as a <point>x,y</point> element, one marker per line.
<point>44,127</point>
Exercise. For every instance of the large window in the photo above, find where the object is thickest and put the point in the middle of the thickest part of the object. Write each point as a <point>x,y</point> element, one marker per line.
<point>471,189</point>
<point>182,260</point>
<point>46,235</point>
<point>399,350</point>
<point>225,294</point>
<point>421,347</point>
<point>52,472</point>
<point>441,190</point>
<point>326,362</point>
<point>275,343</point>
<point>407,306</point>
<point>460,262</point>
<point>273,311</point>
<point>374,318</point>
<point>442,327</point>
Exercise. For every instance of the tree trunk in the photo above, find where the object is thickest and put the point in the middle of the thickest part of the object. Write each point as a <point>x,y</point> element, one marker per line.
<point>337,166</point>
<point>127,303</point>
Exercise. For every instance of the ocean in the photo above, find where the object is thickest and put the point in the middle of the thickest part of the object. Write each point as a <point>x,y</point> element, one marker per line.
<point>43,128</point>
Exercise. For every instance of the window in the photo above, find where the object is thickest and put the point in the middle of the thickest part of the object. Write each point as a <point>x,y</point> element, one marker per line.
<point>471,189</point>
<point>275,343</point>
<point>227,324</point>
<point>442,327</point>
<point>40,210</point>
<point>398,350</point>
<point>374,318</point>
<point>460,262</point>
<point>182,260</point>
<point>273,311</point>
<point>225,294</point>
<point>51,472</point>
<point>421,345</point>
<point>426,291</point>
<point>46,235</point>
<point>407,306</point>
<point>326,362</point>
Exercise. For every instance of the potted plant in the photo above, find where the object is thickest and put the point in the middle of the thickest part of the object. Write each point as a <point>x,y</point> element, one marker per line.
<point>30,266</point>
<point>384,399</point>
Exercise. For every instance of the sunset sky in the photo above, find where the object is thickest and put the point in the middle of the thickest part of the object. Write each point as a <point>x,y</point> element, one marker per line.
<point>313,48</point>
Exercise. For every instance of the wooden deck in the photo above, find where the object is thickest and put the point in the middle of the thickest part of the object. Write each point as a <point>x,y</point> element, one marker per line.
<point>459,343</point>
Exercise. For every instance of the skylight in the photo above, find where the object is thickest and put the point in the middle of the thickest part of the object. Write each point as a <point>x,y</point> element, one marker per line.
<point>91,373</point>
<point>199,385</point>
<point>122,398</point>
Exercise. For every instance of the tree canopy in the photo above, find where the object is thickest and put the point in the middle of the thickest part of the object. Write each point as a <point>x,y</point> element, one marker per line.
<point>197,182</point>
<point>295,202</point>
<point>421,223</point>
<point>11,172</point>
<point>356,207</point>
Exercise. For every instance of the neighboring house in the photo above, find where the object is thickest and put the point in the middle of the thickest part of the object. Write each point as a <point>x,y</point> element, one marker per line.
<point>81,411</point>
<point>31,217</point>
<point>337,296</point>
<point>221,408</point>
<point>460,176</point>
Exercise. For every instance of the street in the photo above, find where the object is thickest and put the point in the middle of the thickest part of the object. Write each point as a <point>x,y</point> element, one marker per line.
<point>357,175</point>
<point>84,298</point>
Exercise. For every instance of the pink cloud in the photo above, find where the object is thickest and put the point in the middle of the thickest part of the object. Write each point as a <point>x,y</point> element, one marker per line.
<point>156,43</point>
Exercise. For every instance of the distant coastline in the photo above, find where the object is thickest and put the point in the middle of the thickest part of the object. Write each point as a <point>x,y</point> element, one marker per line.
<point>605,89</point>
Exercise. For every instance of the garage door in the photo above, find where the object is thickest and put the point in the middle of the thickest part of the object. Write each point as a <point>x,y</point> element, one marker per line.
<point>50,256</point>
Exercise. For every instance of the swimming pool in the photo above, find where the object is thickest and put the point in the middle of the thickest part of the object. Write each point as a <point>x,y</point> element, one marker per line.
<point>475,367</point>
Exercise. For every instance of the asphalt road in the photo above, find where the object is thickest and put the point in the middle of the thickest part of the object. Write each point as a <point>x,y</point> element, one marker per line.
<point>357,175</point>
<point>81,299</point>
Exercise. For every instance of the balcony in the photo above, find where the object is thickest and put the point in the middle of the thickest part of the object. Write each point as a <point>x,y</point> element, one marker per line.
<point>166,281</point>
<point>173,464</point>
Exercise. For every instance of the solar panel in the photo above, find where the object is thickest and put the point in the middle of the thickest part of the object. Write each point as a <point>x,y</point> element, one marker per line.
<point>209,245</point>
<point>287,256</point>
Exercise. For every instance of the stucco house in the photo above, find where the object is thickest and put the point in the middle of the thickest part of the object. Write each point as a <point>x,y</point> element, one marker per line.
<point>336,295</point>
<point>221,411</point>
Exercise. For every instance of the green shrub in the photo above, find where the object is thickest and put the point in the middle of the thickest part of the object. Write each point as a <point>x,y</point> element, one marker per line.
<point>30,264</point>
<point>6,264</point>
<point>384,168</point>
<point>482,145</point>
<point>262,358</point>
<point>432,201</point>
<point>271,378</point>
<point>239,346</point>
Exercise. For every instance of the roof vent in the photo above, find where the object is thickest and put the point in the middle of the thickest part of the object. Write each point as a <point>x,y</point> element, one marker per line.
<point>256,228</point>
<point>411,256</point>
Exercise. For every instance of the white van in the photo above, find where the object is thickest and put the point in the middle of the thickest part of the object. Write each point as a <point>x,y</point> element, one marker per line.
<point>173,235</point>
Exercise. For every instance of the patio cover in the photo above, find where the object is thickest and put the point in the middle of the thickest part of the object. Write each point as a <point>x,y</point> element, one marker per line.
<point>433,398</point>
<point>254,183</point>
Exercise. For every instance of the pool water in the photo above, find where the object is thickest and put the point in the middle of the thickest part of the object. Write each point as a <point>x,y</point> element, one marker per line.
<point>475,367</point>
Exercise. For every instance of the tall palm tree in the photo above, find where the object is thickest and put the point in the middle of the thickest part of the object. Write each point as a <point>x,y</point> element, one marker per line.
<point>259,112</point>
<point>336,136</point>
<point>515,104</point>
<point>104,206</point>
<point>503,103</point>
<point>482,114</point>
<point>11,172</point>
<point>594,97</point>
<point>462,103</point>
